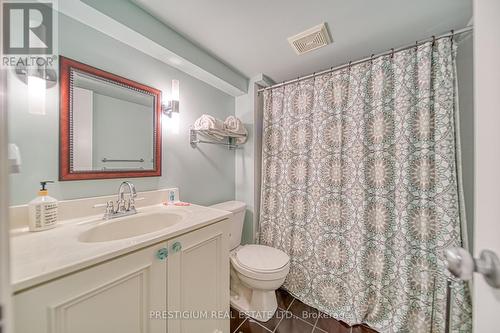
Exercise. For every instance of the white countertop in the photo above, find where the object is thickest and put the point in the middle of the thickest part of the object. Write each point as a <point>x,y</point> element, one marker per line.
<point>37,257</point>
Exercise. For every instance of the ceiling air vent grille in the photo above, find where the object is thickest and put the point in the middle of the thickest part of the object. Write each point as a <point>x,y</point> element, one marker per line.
<point>311,39</point>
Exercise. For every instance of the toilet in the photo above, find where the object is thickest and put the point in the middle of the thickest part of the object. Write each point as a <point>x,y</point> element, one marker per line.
<point>256,270</point>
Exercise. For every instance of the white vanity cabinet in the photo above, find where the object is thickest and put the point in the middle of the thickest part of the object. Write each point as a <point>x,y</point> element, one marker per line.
<point>198,281</point>
<point>143,291</point>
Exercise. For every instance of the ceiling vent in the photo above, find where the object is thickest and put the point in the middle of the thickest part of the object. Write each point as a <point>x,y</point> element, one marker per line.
<point>311,39</point>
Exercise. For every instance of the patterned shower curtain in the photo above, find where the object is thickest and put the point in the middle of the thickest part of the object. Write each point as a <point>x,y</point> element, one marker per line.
<point>360,188</point>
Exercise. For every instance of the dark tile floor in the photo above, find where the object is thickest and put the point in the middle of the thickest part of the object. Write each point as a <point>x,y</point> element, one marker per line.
<point>293,316</point>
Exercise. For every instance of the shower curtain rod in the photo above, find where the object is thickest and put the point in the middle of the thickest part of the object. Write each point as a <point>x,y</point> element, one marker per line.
<point>372,57</point>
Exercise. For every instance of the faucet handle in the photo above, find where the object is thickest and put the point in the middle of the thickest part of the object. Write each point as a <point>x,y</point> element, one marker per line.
<point>108,204</point>
<point>110,207</point>
<point>131,202</point>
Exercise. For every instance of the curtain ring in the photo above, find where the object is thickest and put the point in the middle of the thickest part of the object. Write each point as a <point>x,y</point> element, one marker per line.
<point>451,37</point>
<point>350,65</point>
<point>371,58</point>
<point>392,53</point>
<point>433,40</point>
<point>416,46</point>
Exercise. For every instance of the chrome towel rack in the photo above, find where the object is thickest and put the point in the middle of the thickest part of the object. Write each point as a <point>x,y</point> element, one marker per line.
<point>227,141</point>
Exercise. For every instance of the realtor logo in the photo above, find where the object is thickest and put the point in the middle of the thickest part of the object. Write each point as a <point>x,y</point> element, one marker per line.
<point>27,28</point>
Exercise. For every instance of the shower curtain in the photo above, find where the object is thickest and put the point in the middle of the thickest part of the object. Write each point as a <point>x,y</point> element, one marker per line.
<point>360,188</point>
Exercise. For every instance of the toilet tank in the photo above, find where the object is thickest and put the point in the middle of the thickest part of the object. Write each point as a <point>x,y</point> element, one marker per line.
<point>238,210</point>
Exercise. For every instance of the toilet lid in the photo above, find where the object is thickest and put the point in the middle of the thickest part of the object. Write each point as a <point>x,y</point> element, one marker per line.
<point>261,258</point>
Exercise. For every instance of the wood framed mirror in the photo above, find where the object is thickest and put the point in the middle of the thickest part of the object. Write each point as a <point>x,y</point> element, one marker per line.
<point>110,126</point>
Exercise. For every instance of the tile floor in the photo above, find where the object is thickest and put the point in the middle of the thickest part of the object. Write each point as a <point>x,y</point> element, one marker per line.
<point>293,316</point>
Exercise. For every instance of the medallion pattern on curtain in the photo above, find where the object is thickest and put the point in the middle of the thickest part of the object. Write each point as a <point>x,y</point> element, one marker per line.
<point>360,188</point>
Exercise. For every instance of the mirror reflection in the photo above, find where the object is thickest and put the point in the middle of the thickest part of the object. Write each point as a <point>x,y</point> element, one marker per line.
<point>112,125</point>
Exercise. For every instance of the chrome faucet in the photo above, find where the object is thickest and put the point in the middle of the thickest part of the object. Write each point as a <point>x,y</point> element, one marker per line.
<point>130,204</point>
<point>123,206</point>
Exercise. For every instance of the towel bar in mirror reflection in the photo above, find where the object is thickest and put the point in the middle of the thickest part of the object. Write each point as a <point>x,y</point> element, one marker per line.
<point>107,160</point>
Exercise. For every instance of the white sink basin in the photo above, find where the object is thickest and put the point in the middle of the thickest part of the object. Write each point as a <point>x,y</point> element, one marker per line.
<point>130,226</point>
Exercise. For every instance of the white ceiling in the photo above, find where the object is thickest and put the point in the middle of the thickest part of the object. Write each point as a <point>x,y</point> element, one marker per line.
<point>251,36</point>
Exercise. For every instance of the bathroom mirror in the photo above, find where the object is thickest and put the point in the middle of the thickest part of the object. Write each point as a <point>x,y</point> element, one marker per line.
<point>109,125</point>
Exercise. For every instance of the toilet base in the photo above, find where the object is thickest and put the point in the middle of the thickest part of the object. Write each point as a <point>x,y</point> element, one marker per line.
<point>257,304</point>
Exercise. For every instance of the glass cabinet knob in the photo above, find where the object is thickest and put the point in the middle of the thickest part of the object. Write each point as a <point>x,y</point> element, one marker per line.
<point>162,253</point>
<point>176,247</point>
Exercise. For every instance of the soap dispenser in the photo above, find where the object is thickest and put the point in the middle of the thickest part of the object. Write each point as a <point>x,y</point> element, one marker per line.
<point>42,210</point>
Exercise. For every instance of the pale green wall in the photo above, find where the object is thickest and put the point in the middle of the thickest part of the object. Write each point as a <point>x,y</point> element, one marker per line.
<point>204,176</point>
<point>245,165</point>
<point>248,159</point>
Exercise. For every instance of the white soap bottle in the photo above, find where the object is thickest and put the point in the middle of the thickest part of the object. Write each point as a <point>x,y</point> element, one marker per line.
<point>42,210</point>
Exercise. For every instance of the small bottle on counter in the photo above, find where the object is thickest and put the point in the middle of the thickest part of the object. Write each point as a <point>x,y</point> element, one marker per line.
<point>42,210</point>
<point>171,197</point>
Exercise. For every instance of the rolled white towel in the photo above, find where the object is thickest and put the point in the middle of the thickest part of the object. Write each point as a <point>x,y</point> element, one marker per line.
<point>210,124</point>
<point>234,126</point>
<point>206,122</point>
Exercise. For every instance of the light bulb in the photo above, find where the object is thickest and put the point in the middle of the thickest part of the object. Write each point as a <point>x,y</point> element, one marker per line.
<point>36,95</point>
<point>172,123</point>
<point>175,90</point>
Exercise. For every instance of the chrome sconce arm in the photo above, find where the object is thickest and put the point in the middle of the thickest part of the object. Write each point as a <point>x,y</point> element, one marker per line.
<point>170,108</point>
<point>173,104</point>
<point>42,72</point>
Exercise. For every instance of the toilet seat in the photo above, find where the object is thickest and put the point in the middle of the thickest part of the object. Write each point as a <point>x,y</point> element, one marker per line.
<point>260,262</point>
<point>261,258</point>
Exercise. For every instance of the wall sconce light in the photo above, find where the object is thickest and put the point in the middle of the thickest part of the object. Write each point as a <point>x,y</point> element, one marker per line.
<point>49,75</point>
<point>38,79</point>
<point>173,105</point>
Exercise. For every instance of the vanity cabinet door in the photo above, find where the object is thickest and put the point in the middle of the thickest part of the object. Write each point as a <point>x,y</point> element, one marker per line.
<point>198,280</point>
<point>116,296</point>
